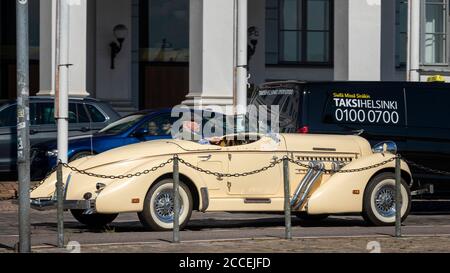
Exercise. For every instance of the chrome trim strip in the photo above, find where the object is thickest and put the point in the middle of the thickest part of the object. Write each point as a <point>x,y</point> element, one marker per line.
<point>258,201</point>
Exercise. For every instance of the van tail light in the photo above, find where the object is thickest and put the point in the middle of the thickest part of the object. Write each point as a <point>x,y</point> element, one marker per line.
<point>303,130</point>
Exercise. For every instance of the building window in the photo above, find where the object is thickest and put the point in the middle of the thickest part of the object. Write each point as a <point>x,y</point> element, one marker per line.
<point>401,28</point>
<point>164,31</point>
<point>299,32</point>
<point>435,32</point>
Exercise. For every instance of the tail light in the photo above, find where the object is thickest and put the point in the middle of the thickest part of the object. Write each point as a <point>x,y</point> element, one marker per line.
<point>303,130</point>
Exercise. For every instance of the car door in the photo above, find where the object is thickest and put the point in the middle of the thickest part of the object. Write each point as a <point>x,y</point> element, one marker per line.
<point>79,122</point>
<point>8,137</point>
<point>42,122</point>
<point>250,157</point>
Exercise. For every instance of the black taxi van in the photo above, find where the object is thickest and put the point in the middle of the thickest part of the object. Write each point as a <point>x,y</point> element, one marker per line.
<point>416,116</point>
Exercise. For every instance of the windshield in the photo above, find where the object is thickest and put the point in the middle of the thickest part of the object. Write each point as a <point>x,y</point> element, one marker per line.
<point>122,125</point>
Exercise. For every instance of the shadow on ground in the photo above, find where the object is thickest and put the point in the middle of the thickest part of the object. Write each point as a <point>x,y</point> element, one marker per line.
<point>209,223</point>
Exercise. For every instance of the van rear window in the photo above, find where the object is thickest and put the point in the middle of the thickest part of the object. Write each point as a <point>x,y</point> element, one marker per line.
<point>369,107</point>
<point>288,100</point>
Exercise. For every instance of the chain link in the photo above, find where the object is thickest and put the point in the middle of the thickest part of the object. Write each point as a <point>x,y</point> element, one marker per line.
<point>235,175</point>
<point>45,178</point>
<point>426,169</point>
<point>220,175</point>
<point>114,177</point>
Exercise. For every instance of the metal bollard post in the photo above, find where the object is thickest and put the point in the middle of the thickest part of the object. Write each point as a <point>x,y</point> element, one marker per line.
<point>60,205</point>
<point>176,198</point>
<point>398,198</point>
<point>287,200</point>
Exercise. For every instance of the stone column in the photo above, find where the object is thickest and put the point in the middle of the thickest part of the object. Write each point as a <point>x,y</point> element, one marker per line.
<point>357,40</point>
<point>211,75</point>
<point>77,49</point>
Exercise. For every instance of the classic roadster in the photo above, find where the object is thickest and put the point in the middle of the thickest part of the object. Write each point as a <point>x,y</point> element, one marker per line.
<point>315,193</point>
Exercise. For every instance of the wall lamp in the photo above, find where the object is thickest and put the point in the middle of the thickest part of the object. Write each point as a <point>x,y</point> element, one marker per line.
<point>120,33</point>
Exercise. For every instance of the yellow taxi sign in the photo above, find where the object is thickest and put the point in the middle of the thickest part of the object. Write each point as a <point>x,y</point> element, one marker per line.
<point>436,78</point>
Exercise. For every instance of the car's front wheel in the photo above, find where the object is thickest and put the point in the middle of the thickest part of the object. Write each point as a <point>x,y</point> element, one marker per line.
<point>93,220</point>
<point>379,200</point>
<point>158,210</point>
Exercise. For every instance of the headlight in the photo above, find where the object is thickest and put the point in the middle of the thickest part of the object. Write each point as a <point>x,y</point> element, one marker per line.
<point>52,153</point>
<point>387,146</point>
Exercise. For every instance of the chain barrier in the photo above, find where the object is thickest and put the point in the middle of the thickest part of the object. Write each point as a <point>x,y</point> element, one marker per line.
<point>45,178</point>
<point>220,175</point>
<point>426,169</point>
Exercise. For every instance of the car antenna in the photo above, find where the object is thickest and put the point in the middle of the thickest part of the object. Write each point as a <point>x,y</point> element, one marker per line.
<point>92,136</point>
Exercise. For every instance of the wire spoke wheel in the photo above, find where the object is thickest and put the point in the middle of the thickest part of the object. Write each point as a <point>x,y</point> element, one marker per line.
<point>164,206</point>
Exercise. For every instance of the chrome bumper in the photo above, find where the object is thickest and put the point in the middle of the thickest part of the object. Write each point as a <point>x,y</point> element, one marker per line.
<point>49,204</point>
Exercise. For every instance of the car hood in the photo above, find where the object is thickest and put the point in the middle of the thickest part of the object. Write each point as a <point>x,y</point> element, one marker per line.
<point>143,150</point>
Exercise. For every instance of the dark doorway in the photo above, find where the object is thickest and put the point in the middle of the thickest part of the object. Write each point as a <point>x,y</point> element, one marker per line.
<point>163,53</point>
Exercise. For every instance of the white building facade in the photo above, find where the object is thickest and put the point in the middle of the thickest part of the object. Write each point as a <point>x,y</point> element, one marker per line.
<point>178,51</point>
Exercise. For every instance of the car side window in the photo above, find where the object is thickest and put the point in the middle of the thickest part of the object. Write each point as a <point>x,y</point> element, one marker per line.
<point>8,116</point>
<point>96,115</point>
<point>45,113</point>
<point>160,125</point>
<point>83,116</point>
<point>73,118</point>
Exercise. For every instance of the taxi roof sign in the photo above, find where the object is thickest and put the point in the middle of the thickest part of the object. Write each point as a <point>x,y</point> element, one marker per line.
<point>436,78</point>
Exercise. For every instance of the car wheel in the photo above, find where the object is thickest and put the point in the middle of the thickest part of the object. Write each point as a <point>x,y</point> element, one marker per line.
<point>379,200</point>
<point>158,206</point>
<point>80,155</point>
<point>310,217</point>
<point>93,220</point>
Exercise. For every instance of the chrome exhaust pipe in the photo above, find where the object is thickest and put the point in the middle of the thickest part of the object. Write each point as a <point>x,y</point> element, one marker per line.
<point>319,171</point>
<point>302,184</point>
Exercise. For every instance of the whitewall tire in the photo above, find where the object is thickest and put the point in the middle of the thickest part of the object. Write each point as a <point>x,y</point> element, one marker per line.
<point>379,200</point>
<point>158,206</point>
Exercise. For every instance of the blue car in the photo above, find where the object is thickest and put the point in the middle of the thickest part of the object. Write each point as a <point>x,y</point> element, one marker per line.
<point>134,128</point>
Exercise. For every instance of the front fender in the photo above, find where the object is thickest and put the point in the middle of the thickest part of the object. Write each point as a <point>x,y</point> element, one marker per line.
<point>122,195</point>
<point>344,192</point>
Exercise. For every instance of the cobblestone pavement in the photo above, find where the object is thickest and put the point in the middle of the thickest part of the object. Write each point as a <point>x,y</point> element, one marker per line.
<point>425,231</point>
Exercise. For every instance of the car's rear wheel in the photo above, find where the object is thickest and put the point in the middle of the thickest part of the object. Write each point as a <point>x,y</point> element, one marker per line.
<point>93,220</point>
<point>379,200</point>
<point>159,206</point>
<point>80,155</point>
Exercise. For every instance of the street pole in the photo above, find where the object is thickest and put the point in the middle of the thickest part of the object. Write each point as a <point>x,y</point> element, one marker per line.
<point>176,202</point>
<point>23,123</point>
<point>61,105</point>
<point>398,198</point>
<point>242,62</point>
<point>287,200</point>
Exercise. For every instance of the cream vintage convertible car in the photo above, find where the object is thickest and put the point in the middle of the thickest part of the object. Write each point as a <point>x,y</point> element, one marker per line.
<point>314,194</point>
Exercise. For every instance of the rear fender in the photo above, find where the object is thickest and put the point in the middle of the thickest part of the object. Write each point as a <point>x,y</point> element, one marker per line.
<point>48,186</point>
